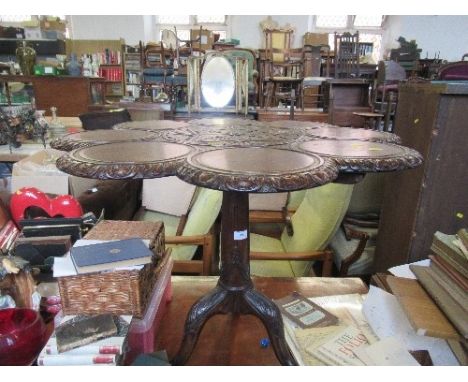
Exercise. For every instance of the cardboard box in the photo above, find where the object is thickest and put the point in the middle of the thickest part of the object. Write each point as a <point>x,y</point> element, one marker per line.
<point>315,39</point>
<point>39,170</point>
<point>207,38</point>
<point>53,25</point>
<point>168,195</point>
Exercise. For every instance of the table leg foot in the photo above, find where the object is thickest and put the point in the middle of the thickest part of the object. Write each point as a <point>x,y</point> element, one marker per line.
<point>200,312</point>
<point>268,312</point>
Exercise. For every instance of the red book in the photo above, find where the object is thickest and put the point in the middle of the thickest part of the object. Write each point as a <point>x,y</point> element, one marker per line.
<point>85,359</point>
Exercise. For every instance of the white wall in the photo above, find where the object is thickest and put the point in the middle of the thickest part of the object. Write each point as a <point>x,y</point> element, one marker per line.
<point>447,34</point>
<point>433,34</point>
<point>131,28</point>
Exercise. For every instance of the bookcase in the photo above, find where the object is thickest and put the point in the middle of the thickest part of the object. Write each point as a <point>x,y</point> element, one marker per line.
<point>110,56</point>
<point>113,75</point>
<point>431,118</point>
<point>132,71</point>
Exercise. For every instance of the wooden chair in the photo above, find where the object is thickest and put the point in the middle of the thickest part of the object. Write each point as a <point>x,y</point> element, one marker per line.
<point>346,61</point>
<point>98,120</point>
<point>186,233</point>
<point>385,89</point>
<point>157,66</point>
<point>280,73</point>
<point>313,225</point>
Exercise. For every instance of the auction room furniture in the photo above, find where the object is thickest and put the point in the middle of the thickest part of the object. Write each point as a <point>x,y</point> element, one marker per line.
<point>431,117</point>
<point>454,71</point>
<point>353,245</point>
<point>99,120</point>
<point>238,159</point>
<point>253,87</point>
<point>316,68</point>
<point>385,98</point>
<point>213,82</point>
<point>234,340</point>
<point>346,60</point>
<point>343,97</point>
<point>371,119</point>
<point>72,96</point>
<point>280,70</point>
<point>313,224</point>
<point>186,233</point>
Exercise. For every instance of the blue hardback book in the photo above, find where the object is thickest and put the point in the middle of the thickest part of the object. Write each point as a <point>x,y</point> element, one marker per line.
<point>110,255</point>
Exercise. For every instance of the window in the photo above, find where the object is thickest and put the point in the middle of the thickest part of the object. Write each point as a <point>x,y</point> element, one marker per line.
<point>184,23</point>
<point>369,27</point>
<point>177,19</point>
<point>218,19</point>
<point>368,21</point>
<point>14,18</point>
<point>327,21</point>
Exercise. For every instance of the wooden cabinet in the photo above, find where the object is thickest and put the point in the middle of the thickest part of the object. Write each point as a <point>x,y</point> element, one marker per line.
<point>430,118</point>
<point>71,95</point>
<point>114,84</point>
<point>343,97</point>
<point>108,54</point>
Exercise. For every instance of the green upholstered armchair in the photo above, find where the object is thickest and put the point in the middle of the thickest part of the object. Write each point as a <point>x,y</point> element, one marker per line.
<point>185,233</point>
<point>354,243</point>
<point>314,223</point>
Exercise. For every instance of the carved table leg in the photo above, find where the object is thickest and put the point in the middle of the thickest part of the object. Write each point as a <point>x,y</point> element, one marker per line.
<point>234,292</point>
<point>200,312</point>
<point>265,309</point>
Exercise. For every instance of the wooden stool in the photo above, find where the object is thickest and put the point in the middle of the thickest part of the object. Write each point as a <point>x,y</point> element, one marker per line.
<point>371,120</point>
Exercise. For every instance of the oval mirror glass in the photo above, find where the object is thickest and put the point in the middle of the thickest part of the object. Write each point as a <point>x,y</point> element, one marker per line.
<point>217,81</point>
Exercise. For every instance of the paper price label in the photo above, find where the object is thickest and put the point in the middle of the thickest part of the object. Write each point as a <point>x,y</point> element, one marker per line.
<point>240,235</point>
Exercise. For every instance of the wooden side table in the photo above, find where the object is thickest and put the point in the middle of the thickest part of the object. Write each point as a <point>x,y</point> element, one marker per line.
<point>239,158</point>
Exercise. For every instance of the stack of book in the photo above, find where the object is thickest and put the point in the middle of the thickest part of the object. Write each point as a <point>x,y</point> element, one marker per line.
<point>8,234</point>
<point>87,340</point>
<point>446,278</point>
<point>8,230</point>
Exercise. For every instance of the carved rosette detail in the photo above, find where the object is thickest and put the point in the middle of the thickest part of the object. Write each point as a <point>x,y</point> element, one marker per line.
<point>258,183</point>
<point>251,135</point>
<point>155,125</point>
<point>97,170</point>
<point>353,165</point>
<point>69,143</point>
<point>327,131</point>
<point>402,158</point>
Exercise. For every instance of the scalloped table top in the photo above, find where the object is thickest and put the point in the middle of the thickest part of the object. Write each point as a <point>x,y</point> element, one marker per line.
<point>237,155</point>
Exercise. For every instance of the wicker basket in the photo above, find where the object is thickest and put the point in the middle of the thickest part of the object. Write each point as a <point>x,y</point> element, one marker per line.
<point>118,292</point>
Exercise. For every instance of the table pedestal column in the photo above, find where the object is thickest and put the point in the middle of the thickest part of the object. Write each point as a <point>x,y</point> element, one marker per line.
<point>234,292</point>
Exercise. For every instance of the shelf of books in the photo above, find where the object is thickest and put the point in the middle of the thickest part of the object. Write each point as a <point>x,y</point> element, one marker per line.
<point>104,58</point>
<point>133,72</point>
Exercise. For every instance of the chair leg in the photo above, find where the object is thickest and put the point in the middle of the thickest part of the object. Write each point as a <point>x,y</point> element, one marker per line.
<point>327,264</point>
<point>267,103</point>
<point>388,112</point>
